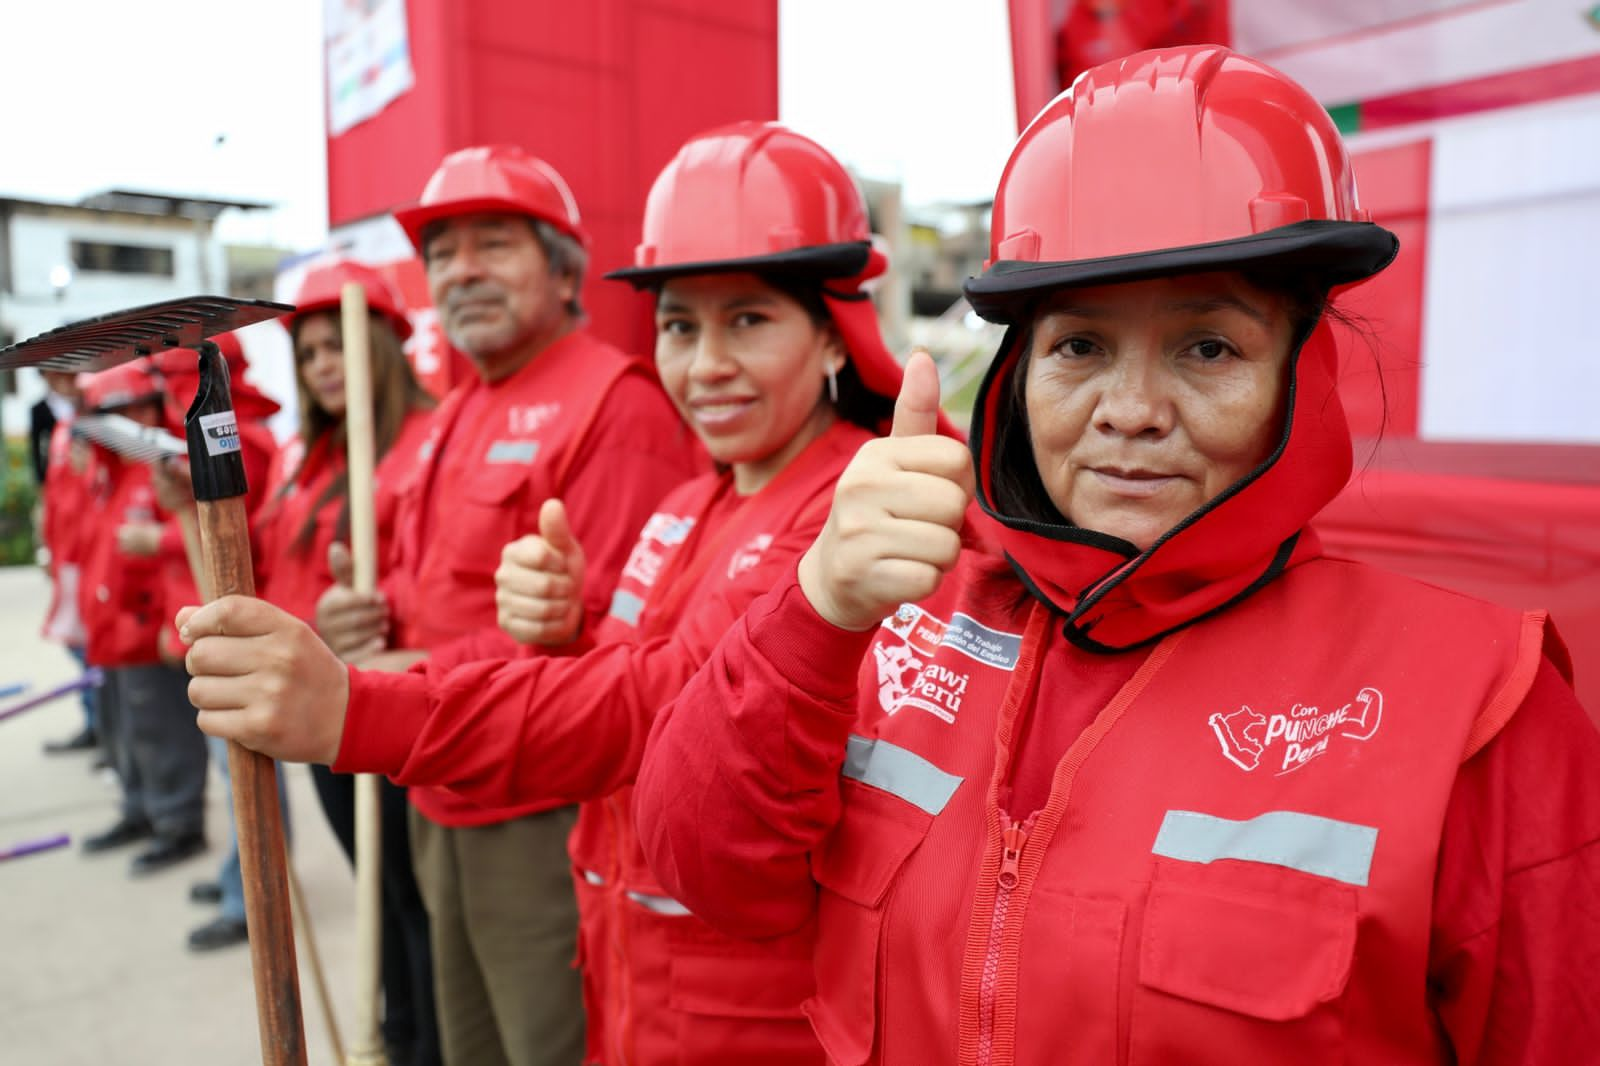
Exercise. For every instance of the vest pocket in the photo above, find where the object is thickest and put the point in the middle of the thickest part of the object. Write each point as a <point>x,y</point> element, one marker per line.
<point>1242,962</point>
<point>743,1009</point>
<point>485,517</point>
<point>855,869</point>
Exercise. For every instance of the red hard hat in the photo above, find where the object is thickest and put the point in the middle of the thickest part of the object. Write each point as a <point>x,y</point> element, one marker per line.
<point>500,178</point>
<point>1175,161</point>
<point>322,290</point>
<point>120,387</point>
<point>757,197</point>
<point>752,196</point>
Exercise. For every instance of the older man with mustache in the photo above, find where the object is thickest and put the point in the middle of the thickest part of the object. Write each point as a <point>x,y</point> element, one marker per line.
<point>552,413</point>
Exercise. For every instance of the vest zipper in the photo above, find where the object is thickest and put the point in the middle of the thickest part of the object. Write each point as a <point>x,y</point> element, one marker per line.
<point>1013,838</point>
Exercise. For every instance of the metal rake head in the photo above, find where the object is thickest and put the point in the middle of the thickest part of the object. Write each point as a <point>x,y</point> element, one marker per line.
<point>106,340</point>
<point>129,439</point>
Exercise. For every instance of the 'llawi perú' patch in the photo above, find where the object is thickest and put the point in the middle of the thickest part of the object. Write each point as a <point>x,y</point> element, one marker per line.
<point>907,676</point>
<point>1285,742</point>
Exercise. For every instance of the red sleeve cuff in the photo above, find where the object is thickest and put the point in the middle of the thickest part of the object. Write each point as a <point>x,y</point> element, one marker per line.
<point>813,654</point>
<point>384,717</point>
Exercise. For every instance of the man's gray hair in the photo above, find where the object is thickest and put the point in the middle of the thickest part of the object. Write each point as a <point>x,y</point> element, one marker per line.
<point>567,257</point>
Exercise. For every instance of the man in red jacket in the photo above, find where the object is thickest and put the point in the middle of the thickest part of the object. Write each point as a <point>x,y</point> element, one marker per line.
<point>147,724</point>
<point>551,412</point>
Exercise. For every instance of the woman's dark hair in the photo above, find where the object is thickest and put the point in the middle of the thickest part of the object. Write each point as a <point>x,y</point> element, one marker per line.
<point>857,403</point>
<point>395,394</point>
<point>1019,492</point>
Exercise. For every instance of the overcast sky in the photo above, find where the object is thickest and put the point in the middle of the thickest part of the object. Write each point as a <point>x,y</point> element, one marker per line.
<point>224,99</point>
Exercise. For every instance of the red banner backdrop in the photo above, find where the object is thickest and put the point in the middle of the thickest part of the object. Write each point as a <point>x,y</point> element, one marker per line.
<point>604,90</point>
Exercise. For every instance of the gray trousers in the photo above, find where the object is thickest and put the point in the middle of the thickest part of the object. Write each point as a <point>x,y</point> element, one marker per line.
<point>147,727</point>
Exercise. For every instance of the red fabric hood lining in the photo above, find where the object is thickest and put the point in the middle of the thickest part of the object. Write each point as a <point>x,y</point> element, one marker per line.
<point>1113,597</point>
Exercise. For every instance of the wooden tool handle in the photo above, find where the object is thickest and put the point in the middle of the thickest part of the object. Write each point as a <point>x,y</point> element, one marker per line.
<point>366,1044</point>
<point>225,539</point>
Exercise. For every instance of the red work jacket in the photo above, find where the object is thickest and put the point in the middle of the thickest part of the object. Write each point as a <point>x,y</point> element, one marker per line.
<point>1236,862</point>
<point>120,596</point>
<point>68,501</point>
<point>295,577</point>
<point>583,422</point>
<point>660,986</point>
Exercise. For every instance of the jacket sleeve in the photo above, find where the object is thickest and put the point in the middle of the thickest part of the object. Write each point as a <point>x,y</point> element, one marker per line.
<point>541,727</point>
<point>740,781</point>
<point>1515,943</point>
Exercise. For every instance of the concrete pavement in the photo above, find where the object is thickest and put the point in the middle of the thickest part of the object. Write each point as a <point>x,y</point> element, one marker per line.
<point>93,964</point>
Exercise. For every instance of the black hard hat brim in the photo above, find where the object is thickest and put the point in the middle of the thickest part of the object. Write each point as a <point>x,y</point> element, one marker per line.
<point>1334,253</point>
<point>822,262</point>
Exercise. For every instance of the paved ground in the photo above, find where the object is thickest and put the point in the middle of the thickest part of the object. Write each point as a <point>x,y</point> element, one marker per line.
<point>93,964</point>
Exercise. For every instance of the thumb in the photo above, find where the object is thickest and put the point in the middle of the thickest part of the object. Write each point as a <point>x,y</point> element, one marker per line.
<point>553,526</point>
<point>343,567</point>
<point>916,409</point>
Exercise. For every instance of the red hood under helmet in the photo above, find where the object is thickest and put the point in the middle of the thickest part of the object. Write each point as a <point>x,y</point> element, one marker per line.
<point>1167,162</point>
<point>179,370</point>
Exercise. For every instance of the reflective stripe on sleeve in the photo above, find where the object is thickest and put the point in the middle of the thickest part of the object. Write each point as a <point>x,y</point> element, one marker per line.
<point>625,606</point>
<point>899,771</point>
<point>659,904</point>
<point>1305,842</point>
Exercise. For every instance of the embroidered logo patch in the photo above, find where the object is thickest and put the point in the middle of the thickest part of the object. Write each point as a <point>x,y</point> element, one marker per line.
<point>1286,742</point>
<point>528,419</point>
<point>907,676</point>
<point>660,532</point>
<point>749,555</point>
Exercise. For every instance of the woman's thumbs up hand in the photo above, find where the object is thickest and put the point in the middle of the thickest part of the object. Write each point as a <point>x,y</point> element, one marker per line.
<point>895,526</point>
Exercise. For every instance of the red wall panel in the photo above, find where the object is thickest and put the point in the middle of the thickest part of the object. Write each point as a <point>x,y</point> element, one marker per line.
<point>604,90</point>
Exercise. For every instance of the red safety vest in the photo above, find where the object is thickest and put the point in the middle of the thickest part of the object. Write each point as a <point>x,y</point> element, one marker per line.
<point>660,985</point>
<point>1236,862</point>
<point>295,579</point>
<point>120,596</point>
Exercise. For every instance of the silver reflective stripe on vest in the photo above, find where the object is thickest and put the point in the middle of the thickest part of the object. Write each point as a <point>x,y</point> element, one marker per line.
<point>1304,842</point>
<point>659,904</point>
<point>899,771</point>
<point>592,877</point>
<point>512,451</point>
<point>625,607</point>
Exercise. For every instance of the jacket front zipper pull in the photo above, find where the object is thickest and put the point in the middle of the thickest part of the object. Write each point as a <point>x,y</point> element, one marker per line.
<point>1014,837</point>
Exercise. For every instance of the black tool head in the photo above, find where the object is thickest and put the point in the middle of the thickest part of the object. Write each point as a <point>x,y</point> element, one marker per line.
<point>107,340</point>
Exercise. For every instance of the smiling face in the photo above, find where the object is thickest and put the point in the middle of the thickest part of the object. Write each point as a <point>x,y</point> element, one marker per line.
<point>319,359</point>
<point>498,300</point>
<point>746,367</point>
<point>1147,399</point>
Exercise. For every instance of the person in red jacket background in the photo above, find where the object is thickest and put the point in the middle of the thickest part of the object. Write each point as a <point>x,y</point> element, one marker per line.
<point>307,512</point>
<point>551,412</point>
<point>65,498</point>
<point>1167,784</point>
<point>149,732</point>
<point>756,246</point>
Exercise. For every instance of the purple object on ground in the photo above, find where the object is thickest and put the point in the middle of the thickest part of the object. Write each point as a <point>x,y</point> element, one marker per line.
<point>30,847</point>
<point>90,679</point>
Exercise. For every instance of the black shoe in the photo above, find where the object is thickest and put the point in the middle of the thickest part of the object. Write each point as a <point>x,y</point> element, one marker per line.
<point>167,851</point>
<point>219,933</point>
<point>205,892</point>
<point>126,831</point>
<point>83,741</point>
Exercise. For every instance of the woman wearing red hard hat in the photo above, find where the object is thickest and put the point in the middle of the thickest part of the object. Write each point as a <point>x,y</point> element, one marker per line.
<point>755,246</point>
<point>1166,784</point>
<point>307,511</point>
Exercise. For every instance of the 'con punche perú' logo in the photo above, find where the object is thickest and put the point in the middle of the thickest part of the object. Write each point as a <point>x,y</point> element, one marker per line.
<point>1286,742</point>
